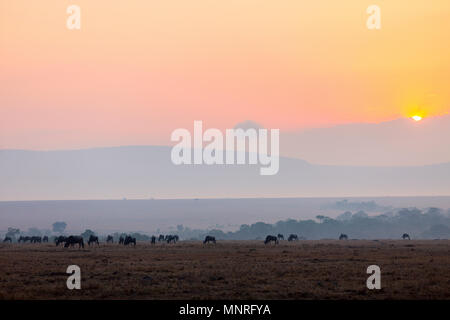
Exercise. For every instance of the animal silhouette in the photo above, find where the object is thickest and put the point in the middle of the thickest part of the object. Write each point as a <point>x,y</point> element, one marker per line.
<point>270,238</point>
<point>73,240</point>
<point>209,239</point>
<point>343,237</point>
<point>59,240</point>
<point>93,240</point>
<point>129,240</point>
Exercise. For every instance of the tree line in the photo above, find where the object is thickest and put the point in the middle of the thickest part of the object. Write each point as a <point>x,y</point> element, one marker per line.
<point>430,223</point>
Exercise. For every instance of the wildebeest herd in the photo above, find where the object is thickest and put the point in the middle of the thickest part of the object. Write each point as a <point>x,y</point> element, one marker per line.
<point>127,240</point>
<point>279,237</point>
<point>34,239</point>
<point>71,241</point>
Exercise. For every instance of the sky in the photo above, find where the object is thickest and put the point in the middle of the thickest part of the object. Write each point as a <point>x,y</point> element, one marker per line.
<point>137,70</point>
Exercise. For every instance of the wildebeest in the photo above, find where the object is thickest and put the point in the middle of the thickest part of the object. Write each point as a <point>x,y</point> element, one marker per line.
<point>209,239</point>
<point>153,240</point>
<point>121,240</point>
<point>270,239</point>
<point>172,238</point>
<point>36,239</point>
<point>110,239</point>
<point>93,239</point>
<point>280,236</point>
<point>59,240</point>
<point>129,240</point>
<point>7,239</point>
<point>72,240</point>
<point>406,236</point>
<point>161,238</point>
<point>343,237</point>
<point>24,239</point>
<point>293,237</point>
<point>45,239</point>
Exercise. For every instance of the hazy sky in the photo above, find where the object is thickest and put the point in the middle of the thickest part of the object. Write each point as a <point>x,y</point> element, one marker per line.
<point>137,70</point>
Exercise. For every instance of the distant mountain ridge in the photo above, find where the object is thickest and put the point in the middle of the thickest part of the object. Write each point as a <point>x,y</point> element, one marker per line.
<point>400,142</point>
<point>147,171</point>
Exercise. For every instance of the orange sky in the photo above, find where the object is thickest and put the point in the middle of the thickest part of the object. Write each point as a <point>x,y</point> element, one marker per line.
<point>137,70</point>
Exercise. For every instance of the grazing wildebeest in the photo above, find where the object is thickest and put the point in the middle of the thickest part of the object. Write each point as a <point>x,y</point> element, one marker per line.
<point>406,236</point>
<point>110,239</point>
<point>60,239</point>
<point>293,237</point>
<point>153,240</point>
<point>36,239</point>
<point>129,240</point>
<point>161,238</point>
<point>270,239</point>
<point>24,239</point>
<point>121,240</point>
<point>7,239</point>
<point>343,237</point>
<point>72,240</point>
<point>172,238</point>
<point>93,239</point>
<point>209,239</point>
<point>280,236</point>
<point>45,239</point>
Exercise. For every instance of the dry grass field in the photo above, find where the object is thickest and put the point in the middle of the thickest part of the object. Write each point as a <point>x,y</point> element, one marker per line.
<point>229,270</point>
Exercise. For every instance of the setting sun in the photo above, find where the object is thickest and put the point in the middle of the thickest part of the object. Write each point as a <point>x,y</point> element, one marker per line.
<point>416,118</point>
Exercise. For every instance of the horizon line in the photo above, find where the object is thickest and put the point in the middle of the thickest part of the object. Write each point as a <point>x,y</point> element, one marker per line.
<point>236,198</point>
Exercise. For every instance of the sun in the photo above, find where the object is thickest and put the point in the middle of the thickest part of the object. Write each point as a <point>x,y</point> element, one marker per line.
<point>417,118</point>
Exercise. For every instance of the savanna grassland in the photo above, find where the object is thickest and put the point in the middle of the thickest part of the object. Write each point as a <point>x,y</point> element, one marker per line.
<point>324,269</point>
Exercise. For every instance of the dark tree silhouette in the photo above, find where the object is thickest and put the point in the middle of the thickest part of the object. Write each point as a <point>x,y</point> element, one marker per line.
<point>59,226</point>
